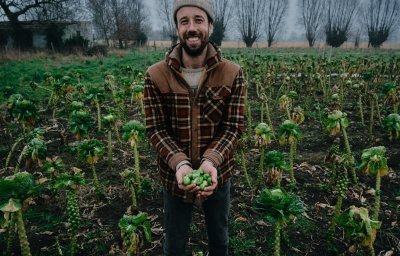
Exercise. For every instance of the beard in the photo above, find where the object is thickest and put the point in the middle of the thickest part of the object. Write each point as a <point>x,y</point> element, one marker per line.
<point>194,51</point>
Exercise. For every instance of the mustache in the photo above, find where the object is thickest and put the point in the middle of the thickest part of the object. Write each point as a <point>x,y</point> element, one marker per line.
<point>192,34</point>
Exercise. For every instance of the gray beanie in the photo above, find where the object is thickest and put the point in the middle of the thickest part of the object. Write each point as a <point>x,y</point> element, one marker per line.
<point>206,5</point>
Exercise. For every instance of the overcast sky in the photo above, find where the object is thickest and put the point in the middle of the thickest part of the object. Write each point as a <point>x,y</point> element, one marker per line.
<point>291,26</point>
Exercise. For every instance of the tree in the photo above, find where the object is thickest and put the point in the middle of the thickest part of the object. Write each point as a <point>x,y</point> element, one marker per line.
<point>101,17</point>
<point>223,13</point>
<point>249,14</point>
<point>311,16</point>
<point>128,26</point>
<point>381,18</point>
<point>274,12</point>
<point>165,12</point>
<point>31,10</point>
<point>339,16</point>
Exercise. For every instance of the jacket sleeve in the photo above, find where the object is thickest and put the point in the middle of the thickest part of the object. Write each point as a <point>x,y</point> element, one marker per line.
<point>232,124</point>
<point>156,126</point>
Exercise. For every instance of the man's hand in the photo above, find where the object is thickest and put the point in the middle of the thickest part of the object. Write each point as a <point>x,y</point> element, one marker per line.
<point>182,171</point>
<point>209,168</point>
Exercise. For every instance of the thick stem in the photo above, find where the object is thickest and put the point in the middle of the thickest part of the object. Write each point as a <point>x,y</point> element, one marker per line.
<point>371,249</point>
<point>269,120</point>
<point>133,195</point>
<point>117,133</point>
<point>98,116</point>
<point>244,167</point>
<point>371,119</point>
<point>73,219</point>
<point>342,94</point>
<point>377,196</point>
<point>338,207</point>
<point>291,162</point>
<point>378,110</point>
<point>346,141</point>
<point>50,99</point>
<point>288,113</point>
<point>348,151</point>
<point>95,179</point>
<point>137,168</point>
<point>109,152</point>
<point>261,167</point>
<point>12,150</point>
<point>21,156</point>
<point>361,109</point>
<point>73,245</point>
<point>277,240</point>
<point>11,234</point>
<point>262,112</point>
<point>23,239</point>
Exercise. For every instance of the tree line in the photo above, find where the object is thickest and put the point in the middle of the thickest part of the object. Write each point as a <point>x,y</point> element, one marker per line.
<point>125,21</point>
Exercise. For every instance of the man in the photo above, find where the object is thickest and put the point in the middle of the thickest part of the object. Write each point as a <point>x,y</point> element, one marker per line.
<point>194,107</point>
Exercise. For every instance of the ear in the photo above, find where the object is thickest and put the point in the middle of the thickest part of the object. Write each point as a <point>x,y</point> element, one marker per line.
<point>211,28</point>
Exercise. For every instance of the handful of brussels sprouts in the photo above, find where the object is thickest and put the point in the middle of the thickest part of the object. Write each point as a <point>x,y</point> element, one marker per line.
<point>198,177</point>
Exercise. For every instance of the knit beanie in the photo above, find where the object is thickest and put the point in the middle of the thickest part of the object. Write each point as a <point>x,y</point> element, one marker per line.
<point>205,5</point>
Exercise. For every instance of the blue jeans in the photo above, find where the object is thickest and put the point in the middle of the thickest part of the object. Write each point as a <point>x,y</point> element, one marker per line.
<point>178,216</point>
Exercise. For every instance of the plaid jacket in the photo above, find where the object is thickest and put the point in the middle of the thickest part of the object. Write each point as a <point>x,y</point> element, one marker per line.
<point>184,126</point>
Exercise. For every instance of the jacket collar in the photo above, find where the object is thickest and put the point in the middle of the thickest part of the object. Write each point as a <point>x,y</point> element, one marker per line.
<point>174,56</point>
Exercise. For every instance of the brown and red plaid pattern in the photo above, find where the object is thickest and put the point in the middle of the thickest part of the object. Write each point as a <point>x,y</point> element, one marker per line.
<point>184,126</point>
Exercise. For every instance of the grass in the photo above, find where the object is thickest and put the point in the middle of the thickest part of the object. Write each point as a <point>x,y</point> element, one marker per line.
<point>18,74</point>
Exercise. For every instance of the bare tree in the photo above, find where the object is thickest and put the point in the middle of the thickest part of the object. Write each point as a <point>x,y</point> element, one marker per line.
<point>138,22</point>
<point>274,13</point>
<point>381,18</point>
<point>250,17</point>
<point>31,10</point>
<point>129,19</point>
<point>223,12</point>
<point>100,11</point>
<point>165,11</point>
<point>339,17</point>
<point>311,16</point>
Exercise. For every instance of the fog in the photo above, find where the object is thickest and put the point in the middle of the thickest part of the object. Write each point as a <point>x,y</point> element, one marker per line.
<point>291,27</point>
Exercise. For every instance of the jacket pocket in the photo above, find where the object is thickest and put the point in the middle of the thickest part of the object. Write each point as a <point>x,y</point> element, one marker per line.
<point>214,103</point>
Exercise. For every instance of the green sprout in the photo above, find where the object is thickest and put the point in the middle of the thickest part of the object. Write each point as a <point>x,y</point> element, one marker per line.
<point>289,133</point>
<point>275,164</point>
<point>262,137</point>
<point>392,125</point>
<point>133,133</point>
<point>14,190</point>
<point>374,162</point>
<point>91,151</point>
<point>71,182</point>
<point>278,207</point>
<point>359,228</point>
<point>134,230</point>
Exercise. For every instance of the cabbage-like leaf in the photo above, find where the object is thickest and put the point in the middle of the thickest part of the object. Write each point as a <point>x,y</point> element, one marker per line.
<point>275,159</point>
<point>277,205</point>
<point>18,186</point>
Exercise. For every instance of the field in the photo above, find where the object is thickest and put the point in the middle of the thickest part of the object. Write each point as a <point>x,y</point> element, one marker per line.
<point>85,154</point>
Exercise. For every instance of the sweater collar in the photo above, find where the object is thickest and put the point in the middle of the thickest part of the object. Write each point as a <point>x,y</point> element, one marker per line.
<point>174,56</point>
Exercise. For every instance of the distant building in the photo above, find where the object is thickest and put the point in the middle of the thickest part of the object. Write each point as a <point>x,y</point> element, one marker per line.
<point>71,29</point>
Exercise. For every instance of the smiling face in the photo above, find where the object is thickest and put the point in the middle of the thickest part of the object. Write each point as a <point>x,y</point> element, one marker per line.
<point>193,29</point>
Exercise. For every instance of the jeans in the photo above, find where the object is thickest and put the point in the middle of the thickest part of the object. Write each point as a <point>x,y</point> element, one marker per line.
<point>178,216</point>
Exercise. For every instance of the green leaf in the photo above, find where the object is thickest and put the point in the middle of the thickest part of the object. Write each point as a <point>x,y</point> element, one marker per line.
<point>11,206</point>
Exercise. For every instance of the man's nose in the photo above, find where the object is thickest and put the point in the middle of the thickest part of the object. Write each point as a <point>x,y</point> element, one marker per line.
<point>192,26</point>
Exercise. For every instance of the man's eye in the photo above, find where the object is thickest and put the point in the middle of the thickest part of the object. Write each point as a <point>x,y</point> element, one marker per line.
<point>199,20</point>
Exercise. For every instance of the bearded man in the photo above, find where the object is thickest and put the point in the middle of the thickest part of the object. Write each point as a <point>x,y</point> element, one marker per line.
<point>194,108</point>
